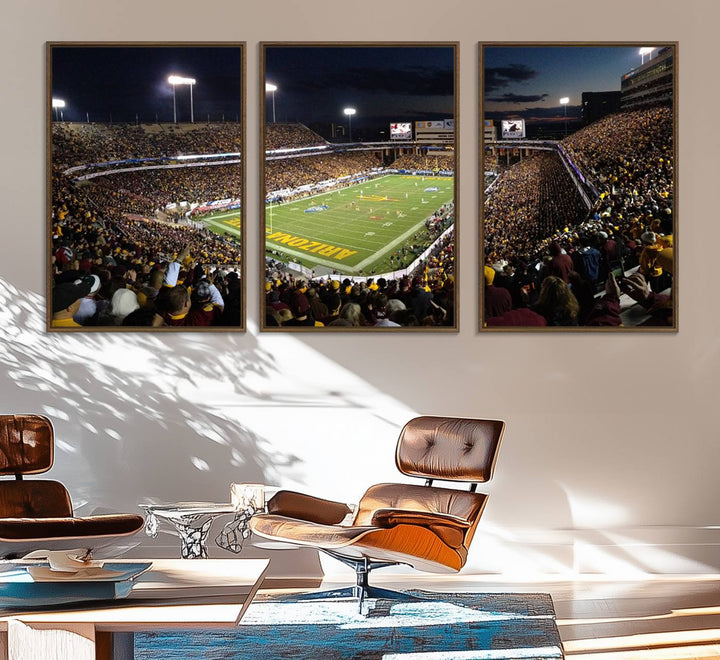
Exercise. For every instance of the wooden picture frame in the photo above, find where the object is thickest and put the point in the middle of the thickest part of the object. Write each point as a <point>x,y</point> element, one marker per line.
<point>145,186</point>
<point>578,173</point>
<point>359,211</point>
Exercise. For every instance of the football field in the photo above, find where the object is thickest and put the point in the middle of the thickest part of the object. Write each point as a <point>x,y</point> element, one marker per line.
<point>358,229</point>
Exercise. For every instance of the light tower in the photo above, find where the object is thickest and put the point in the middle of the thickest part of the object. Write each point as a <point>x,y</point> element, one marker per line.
<point>270,87</point>
<point>181,80</point>
<point>564,103</point>
<point>58,104</point>
<point>645,50</point>
<point>349,112</point>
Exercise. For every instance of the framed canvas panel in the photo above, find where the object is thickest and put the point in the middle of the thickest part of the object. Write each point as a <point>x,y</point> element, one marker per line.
<point>359,185</point>
<point>145,171</point>
<point>578,217</point>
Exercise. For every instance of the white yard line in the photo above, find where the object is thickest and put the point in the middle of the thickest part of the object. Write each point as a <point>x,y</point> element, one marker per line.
<point>383,251</point>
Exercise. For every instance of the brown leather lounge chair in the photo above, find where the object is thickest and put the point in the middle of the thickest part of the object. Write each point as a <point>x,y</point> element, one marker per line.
<point>427,527</point>
<point>38,514</point>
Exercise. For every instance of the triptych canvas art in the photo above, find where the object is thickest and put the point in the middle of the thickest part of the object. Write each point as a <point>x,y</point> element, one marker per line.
<point>147,203</point>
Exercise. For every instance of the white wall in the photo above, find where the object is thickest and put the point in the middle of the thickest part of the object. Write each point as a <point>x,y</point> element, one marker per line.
<point>610,461</point>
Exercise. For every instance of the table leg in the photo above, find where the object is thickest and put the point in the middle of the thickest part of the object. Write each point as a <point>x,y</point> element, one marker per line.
<point>114,645</point>
<point>193,540</point>
<point>236,531</point>
<point>151,524</point>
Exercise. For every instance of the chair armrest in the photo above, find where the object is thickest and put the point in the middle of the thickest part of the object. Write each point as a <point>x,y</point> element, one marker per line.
<point>392,517</point>
<point>451,529</point>
<point>306,507</point>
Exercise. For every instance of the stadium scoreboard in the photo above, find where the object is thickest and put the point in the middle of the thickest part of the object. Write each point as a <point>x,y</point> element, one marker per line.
<point>512,128</point>
<point>401,131</point>
<point>434,131</point>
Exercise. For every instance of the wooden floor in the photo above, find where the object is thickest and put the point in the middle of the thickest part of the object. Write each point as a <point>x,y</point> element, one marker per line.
<point>658,618</point>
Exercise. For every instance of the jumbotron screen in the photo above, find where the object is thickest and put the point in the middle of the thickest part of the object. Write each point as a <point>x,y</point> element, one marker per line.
<point>401,131</point>
<point>512,128</point>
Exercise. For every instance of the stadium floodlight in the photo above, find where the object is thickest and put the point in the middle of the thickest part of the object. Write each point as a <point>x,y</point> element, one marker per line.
<point>181,80</point>
<point>270,87</point>
<point>564,103</point>
<point>58,104</point>
<point>349,112</point>
<point>645,50</point>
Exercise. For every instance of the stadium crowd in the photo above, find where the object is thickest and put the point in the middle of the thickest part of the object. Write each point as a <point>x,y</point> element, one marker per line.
<point>83,144</point>
<point>148,191</point>
<point>630,158</point>
<point>528,203</point>
<point>549,261</point>
<point>426,162</point>
<point>290,136</point>
<point>426,299</point>
<point>292,173</point>
<point>112,269</point>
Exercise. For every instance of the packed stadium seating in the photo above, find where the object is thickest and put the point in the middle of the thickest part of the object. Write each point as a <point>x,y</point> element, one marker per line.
<point>114,226</point>
<point>428,162</point>
<point>425,299</point>
<point>290,136</point>
<point>535,225</point>
<point>82,144</point>
<point>291,173</point>
<point>148,191</point>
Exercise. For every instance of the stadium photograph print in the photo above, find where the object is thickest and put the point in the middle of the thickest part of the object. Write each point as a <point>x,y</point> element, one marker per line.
<point>360,187</point>
<point>578,218</point>
<point>145,172</point>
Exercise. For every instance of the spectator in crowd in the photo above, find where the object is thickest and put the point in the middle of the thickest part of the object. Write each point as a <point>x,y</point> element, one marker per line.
<point>556,303</point>
<point>66,299</point>
<point>497,299</point>
<point>124,302</point>
<point>561,264</point>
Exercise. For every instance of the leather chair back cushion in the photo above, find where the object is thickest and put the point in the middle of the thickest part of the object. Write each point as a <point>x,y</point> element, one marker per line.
<point>34,499</point>
<point>412,497</point>
<point>26,444</point>
<point>449,448</point>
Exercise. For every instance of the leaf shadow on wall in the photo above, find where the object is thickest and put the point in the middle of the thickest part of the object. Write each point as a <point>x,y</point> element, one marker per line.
<point>130,410</point>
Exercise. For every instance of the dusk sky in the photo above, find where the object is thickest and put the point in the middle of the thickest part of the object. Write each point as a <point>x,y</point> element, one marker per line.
<point>528,82</point>
<point>124,81</point>
<point>384,84</point>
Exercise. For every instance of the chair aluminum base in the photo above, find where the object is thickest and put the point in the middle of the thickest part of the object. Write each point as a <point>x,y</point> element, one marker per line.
<point>362,590</point>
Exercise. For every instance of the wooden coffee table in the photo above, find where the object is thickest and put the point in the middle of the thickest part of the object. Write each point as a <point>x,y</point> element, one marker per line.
<point>174,593</point>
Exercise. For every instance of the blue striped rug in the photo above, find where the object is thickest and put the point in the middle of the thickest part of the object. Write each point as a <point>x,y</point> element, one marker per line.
<point>443,626</point>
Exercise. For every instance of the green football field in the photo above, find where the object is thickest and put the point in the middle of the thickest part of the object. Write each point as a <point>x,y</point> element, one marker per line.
<point>357,229</point>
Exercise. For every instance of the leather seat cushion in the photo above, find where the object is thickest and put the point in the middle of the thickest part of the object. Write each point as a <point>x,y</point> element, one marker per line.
<point>22,529</point>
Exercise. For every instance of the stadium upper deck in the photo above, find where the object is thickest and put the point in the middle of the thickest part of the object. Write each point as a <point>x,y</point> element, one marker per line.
<point>82,144</point>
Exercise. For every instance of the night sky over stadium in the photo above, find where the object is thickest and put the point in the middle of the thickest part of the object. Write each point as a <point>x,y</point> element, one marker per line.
<point>528,82</point>
<point>123,82</point>
<point>384,85</point>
